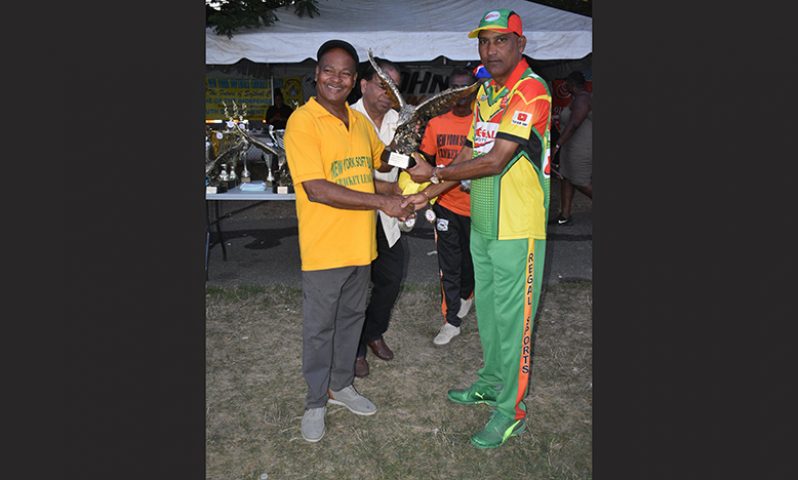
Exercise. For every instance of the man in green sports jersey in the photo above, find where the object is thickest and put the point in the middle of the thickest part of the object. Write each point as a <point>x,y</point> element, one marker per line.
<point>507,156</point>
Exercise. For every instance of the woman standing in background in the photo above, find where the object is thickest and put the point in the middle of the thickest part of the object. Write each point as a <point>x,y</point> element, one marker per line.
<point>575,145</point>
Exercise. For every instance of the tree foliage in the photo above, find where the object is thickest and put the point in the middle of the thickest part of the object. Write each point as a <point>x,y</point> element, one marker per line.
<point>582,7</point>
<point>229,16</point>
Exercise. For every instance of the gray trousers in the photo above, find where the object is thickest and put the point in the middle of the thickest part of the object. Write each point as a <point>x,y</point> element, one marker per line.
<point>333,310</point>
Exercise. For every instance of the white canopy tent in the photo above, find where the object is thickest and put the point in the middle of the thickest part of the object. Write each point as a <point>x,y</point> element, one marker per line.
<point>412,31</point>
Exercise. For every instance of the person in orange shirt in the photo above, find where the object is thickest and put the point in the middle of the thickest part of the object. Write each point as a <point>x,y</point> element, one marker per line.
<point>442,141</point>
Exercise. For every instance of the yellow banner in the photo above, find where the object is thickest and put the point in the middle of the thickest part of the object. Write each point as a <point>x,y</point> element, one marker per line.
<point>293,95</point>
<point>256,94</point>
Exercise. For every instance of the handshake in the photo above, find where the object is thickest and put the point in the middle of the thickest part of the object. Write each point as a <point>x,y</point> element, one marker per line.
<point>396,205</point>
<point>409,189</point>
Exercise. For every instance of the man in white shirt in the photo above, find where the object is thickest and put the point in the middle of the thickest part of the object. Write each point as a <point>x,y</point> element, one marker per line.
<point>387,269</point>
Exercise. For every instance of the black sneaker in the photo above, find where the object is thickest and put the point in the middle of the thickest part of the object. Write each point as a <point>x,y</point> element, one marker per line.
<point>560,220</point>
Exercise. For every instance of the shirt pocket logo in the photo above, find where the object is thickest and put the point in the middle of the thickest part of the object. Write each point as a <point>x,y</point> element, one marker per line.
<point>521,119</point>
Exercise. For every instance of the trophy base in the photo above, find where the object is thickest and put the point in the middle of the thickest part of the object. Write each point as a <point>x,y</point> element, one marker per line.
<point>401,160</point>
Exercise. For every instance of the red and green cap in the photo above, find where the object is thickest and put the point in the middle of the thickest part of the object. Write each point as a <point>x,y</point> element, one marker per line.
<point>502,20</point>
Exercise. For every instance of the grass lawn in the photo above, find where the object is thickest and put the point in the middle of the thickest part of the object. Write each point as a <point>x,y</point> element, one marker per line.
<point>255,393</point>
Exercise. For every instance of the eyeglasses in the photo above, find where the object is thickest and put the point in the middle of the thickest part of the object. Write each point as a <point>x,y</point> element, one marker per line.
<point>378,82</point>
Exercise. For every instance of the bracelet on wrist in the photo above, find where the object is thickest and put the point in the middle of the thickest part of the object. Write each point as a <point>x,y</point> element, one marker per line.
<point>435,179</point>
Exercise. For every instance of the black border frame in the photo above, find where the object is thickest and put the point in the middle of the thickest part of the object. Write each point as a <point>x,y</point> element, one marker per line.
<point>694,262</point>
<point>133,356</point>
<point>691,275</point>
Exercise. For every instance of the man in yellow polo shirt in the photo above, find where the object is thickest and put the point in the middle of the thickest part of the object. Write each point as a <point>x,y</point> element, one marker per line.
<point>331,151</point>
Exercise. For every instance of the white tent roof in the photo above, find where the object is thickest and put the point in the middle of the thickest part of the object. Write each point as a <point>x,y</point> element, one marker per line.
<point>403,31</point>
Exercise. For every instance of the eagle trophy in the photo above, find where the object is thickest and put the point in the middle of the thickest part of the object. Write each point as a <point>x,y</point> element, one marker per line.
<point>413,119</point>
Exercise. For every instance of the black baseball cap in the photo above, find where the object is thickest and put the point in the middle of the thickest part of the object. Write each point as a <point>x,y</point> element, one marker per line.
<point>345,46</point>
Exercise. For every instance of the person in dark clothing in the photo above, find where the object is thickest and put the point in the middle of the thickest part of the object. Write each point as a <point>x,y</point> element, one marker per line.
<point>576,143</point>
<point>277,115</point>
<point>387,269</point>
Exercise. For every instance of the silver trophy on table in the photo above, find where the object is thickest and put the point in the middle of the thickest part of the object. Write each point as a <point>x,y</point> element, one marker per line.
<point>232,144</point>
<point>283,177</point>
<point>225,145</point>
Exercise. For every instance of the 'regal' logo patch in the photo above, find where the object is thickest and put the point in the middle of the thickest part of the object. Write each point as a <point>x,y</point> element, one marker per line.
<point>484,135</point>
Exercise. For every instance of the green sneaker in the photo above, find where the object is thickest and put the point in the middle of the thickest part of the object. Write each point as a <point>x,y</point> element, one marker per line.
<point>498,429</point>
<point>472,396</point>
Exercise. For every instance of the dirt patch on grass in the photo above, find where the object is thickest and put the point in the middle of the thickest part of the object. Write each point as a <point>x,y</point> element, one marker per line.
<point>255,393</point>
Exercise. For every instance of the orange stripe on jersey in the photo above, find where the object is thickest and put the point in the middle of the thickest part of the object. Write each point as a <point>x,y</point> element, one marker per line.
<point>444,307</point>
<point>526,338</point>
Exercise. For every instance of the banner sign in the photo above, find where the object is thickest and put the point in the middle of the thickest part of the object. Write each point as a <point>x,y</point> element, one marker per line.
<point>420,83</point>
<point>293,93</point>
<point>255,93</point>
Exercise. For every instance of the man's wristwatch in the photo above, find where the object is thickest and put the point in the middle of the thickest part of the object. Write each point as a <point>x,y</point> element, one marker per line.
<point>434,178</point>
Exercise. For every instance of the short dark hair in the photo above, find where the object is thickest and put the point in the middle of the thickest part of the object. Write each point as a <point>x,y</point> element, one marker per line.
<point>462,71</point>
<point>345,46</point>
<point>576,78</point>
<point>369,71</point>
